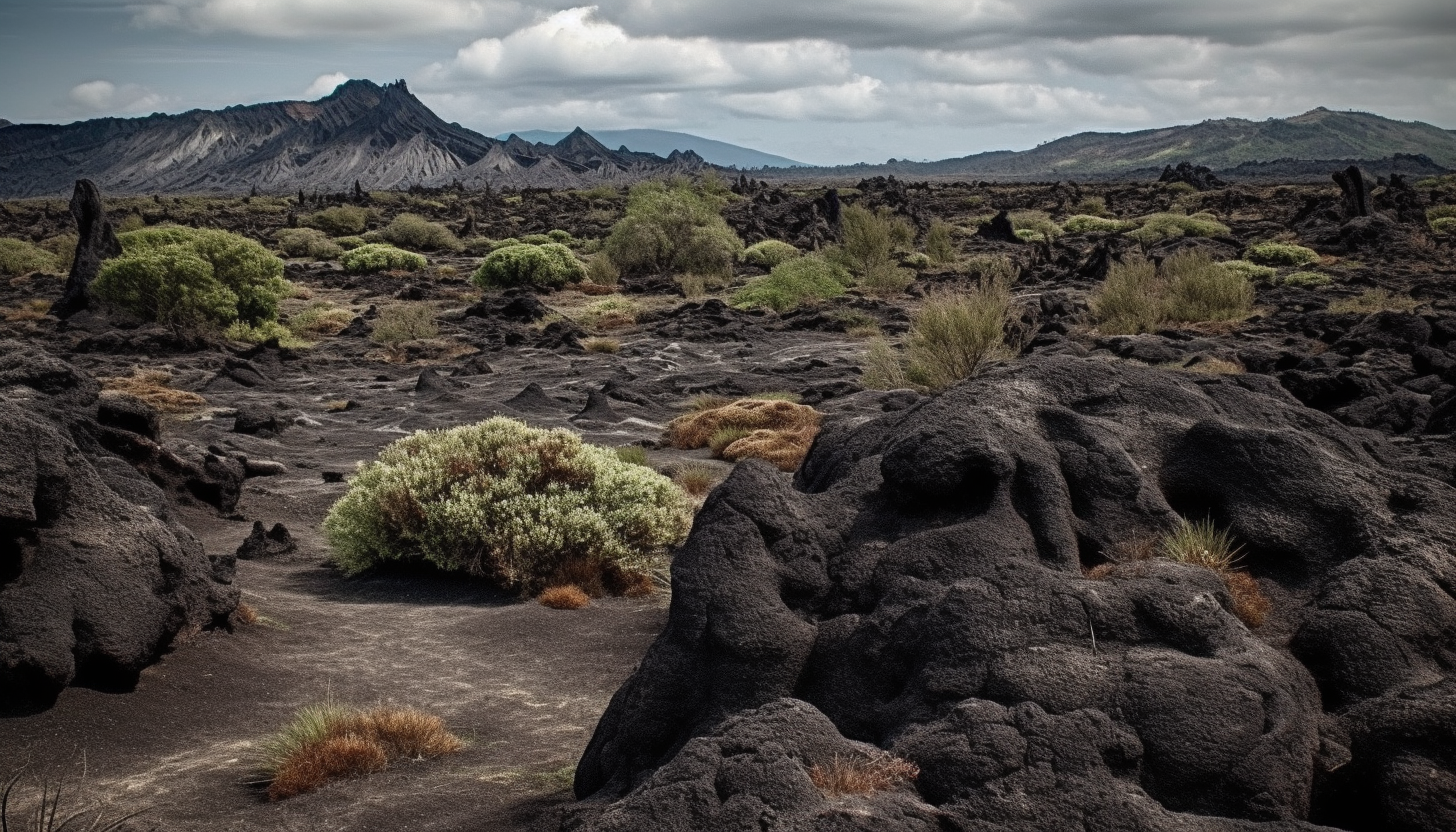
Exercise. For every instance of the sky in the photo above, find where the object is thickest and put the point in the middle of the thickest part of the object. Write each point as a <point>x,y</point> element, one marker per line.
<point>821,81</point>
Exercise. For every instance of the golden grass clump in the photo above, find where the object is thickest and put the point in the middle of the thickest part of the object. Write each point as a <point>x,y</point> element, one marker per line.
<point>245,614</point>
<point>1200,543</point>
<point>1250,604</point>
<point>152,387</point>
<point>697,480</point>
<point>569,597</point>
<point>776,430</point>
<point>32,310</point>
<point>1375,300</point>
<point>329,741</point>
<point>862,775</point>
<point>601,345</point>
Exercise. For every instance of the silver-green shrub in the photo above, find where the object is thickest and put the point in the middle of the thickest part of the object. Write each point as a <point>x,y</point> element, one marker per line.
<point>381,257</point>
<point>192,276</point>
<point>504,500</point>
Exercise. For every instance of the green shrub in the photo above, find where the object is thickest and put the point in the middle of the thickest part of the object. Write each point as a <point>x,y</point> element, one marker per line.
<point>1375,300</point>
<point>769,253</point>
<point>192,277</point>
<point>20,257</point>
<point>917,261</point>
<point>955,335</point>
<point>1202,290</point>
<point>264,331</point>
<point>792,284</point>
<point>339,221</point>
<point>1130,300</point>
<point>1444,225</point>
<point>308,242</point>
<point>1156,227</point>
<point>1281,254</point>
<point>602,271</point>
<point>416,233</point>
<point>559,236</point>
<point>1089,224</point>
<point>63,248</point>
<point>404,322</point>
<point>524,264</point>
<point>1092,206</point>
<point>1038,223</point>
<point>1440,212</point>
<point>349,243</point>
<point>1253,271</point>
<point>1138,297</point>
<point>1306,280</point>
<point>504,500</point>
<point>939,243</point>
<point>871,238</point>
<point>883,369</point>
<point>671,225</point>
<point>381,257</point>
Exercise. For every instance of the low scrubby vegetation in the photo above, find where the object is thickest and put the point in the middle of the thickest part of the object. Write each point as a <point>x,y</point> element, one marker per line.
<point>330,742</point>
<point>506,501</point>
<point>403,322</point>
<point>155,388</point>
<point>1281,254</point>
<point>551,265</point>
<point>1201,543</point>
<point>793,283</point>
<point>769,253</point>
<point>338,221</point>
<point>954,336</point>
<point>672,225</point>
<point>1306,280</point>
<point>1156,227</point>
<point>1375,300</point>
<point>1138,296</point>
<point>20,257</point>
<point>192,277</point>
<point>414,232</point>
<point>371,258</point>
<point>940,243</point>
<point>308,242</point>
<point>760,428</point>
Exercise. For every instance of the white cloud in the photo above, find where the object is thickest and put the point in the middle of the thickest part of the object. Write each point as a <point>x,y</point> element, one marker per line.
<point>330,18</point>
<point>577,50</point>
<point>106,98</point>
<point>324,84</point>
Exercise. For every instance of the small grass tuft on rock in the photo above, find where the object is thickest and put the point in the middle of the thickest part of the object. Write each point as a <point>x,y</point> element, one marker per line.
<point>861,775</point>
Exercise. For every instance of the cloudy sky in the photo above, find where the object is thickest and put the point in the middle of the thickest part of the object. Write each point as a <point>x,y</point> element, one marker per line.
<point>824,81</point>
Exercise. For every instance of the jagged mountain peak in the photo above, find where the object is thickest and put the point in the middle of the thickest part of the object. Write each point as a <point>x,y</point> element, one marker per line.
<point>380,135</point>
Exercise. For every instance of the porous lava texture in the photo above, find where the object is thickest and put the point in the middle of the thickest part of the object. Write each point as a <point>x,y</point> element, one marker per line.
<point>921,588</point>
<point>96,578</point>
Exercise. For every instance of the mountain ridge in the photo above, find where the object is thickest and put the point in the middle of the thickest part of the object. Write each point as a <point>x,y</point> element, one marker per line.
<point>381,136</point>
<point>663,142</point>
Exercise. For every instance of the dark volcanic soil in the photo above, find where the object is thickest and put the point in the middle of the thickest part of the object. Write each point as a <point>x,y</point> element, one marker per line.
<point>523,684</point>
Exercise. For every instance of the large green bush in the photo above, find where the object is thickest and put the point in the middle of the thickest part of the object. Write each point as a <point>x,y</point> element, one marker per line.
<point>792,284</point>
<point>192,276</point>
<point>20,257</point>
<point>414,232</point>
<point>381,257</point>
<point>339,221</point>
<point>524,264</point>
<point>673,226</point>
<point>507,501</point>
<point>769,253</point>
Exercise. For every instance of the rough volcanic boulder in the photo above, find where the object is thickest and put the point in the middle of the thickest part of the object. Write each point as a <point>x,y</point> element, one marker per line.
<point>1199,176</point>
<point>93,587</point>
<point>97,243</point>
<point>926,583</point>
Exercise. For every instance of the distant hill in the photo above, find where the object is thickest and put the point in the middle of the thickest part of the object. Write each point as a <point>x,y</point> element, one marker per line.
<point>4,123</point>
<point>381,136</point>
<point>663,142</point>
<point>1221,144</point>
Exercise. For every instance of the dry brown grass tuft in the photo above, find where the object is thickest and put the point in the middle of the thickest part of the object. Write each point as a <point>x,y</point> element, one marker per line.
<point>31,310</point>
<point>697,480</point>
<point>570,597</point>
<point>329,759</point>
<point>1250,603</point>
<point>409,733</point>
<point>327,742</point>
<point>695,430</point>
<point>784,448</point>
<point>245,614</point>
<point>862,775</point>
<point>152,387</point>
<point>604,345</point>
